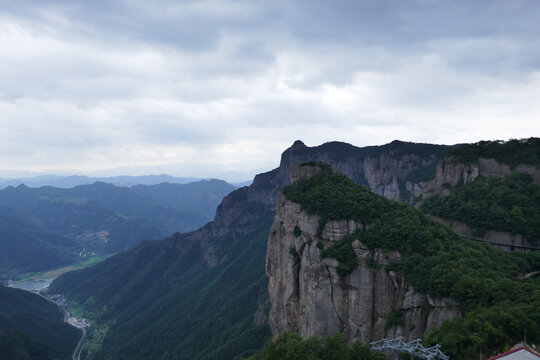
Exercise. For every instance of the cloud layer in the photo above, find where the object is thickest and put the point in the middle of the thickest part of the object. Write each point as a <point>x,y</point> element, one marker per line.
<point>89,85</point>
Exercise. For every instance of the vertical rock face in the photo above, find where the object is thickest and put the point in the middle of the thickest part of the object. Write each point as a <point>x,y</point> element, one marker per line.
<point>380,167</point>
<point>385,169</point>
<point>452,172</point>
<point>309,297</point>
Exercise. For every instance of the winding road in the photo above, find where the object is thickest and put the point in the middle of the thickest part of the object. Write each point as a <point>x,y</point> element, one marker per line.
<point>80,346</point>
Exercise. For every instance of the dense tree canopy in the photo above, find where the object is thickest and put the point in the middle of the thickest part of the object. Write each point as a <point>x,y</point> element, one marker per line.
<point>513,152</point>
<point>293,347</point>
<point>16,345</point>
<point>32,327</point>
<point>509,204</point>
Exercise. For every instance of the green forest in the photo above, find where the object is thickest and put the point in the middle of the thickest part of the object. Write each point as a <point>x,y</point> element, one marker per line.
<point>16,345</point>
<point>46,228</point>
<point>207,311</point>
<point>512,152</point>
<point>509,204</point>
<point>293,347</point>
<point>498,306</point>
<point>32,327</point>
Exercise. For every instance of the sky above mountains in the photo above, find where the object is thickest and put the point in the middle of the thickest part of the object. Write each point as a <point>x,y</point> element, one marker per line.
<point>87,85</point>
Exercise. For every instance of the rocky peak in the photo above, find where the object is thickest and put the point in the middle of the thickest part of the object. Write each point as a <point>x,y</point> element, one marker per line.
<point>298,144</point>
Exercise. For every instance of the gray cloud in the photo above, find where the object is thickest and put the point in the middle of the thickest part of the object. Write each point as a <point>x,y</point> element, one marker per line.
<point>94,84</point>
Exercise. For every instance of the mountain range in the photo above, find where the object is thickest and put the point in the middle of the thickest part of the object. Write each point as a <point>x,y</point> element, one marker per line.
<point>204,294</point>
<point>66,182</point>
<point>43,228</point>
<point>374,221</point>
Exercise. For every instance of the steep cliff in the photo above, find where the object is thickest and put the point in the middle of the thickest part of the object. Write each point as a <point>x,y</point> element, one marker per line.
<point>310,297</point>
<point>162,282</point>
<point>343,259</point>
<point>394,170</point>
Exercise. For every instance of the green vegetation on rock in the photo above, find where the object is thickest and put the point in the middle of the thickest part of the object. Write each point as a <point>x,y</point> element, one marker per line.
<point>510,204</point>
<point>293,347</point>
<point>435,260</point>
<point>334,197</point>
<point>513,152</point>
<point>343,252</point>
<point>394,318</point>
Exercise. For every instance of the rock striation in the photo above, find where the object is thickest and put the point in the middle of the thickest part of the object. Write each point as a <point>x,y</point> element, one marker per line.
<point>309,297</point>
<point>389,170</point>
<point>451,172</point>
<point>385,169</point>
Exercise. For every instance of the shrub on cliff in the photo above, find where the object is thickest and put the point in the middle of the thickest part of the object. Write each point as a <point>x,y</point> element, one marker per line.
<point>293,347</point>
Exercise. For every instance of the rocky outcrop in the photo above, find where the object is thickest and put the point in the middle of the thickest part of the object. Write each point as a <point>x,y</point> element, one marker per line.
<point>380,167</point>
<point>384,173</point>
<point>451,172</point>
<point>385,169</point>
<point>309,297</point>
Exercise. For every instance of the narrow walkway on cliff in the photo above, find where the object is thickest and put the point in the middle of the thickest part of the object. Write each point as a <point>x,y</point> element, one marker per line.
<point>511,246</point>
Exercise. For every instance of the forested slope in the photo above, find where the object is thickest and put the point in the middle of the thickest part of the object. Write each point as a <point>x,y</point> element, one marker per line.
<point>43,228</point>
<point>32,325</point>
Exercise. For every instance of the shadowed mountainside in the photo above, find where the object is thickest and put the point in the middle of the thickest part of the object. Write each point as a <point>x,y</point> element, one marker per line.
<point>31,323</point>
<point>44,228</point>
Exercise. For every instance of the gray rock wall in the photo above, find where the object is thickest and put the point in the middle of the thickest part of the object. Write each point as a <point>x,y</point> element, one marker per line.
<point>309,297</point>
<point>453,173</point>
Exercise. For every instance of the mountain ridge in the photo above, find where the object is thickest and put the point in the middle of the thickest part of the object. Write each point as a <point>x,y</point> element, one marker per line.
<point>45,228</point>
<point>234,243</point>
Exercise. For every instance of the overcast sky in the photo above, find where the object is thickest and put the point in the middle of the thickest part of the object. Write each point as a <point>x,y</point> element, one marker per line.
<point>89,85</point>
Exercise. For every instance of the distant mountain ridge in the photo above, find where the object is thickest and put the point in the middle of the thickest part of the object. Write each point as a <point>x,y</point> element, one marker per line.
<point>48,227</point>
<point>181,173</point>
<point>67,182</point>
